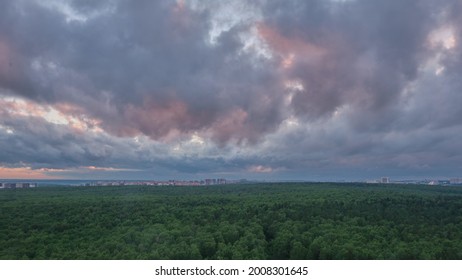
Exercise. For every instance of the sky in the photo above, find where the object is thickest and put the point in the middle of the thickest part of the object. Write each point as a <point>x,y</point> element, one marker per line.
<point>315,90</point>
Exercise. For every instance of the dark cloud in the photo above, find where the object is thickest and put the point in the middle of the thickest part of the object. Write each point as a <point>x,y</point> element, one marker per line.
<point>367,51</point>
<point>362,80</point>
<point>140,58</point>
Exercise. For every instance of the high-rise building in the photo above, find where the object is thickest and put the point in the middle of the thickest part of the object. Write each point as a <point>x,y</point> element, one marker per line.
<point>385,180</point>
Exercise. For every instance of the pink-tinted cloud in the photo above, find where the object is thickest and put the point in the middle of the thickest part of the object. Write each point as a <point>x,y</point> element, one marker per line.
<point>289,49</point>
<point>159,120</point>
<point>260,169</point>
<point>233,125</point>
<point>23,173</point>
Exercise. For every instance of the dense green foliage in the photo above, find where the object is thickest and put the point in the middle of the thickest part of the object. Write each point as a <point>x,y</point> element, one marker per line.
<point>261,221</point>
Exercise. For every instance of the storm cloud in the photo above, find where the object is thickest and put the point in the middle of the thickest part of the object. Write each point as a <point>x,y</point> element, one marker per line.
<point>313,89</point>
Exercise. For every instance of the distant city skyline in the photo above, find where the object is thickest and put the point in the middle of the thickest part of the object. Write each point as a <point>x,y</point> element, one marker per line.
<point>319,90</point>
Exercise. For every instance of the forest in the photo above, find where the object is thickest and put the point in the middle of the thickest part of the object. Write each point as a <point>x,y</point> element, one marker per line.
<point>243,221</point>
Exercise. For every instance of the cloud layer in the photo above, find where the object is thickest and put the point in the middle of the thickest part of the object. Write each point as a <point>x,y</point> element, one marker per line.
<point>319,89</point>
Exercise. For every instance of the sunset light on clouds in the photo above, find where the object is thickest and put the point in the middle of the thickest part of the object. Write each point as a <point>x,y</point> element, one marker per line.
<point>309,90</point>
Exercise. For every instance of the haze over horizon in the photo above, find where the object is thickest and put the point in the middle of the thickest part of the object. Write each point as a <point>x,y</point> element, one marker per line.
<point>277,90</point>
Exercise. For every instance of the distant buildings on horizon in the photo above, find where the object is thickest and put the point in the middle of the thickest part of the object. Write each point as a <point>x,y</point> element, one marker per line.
<point>17,185</point>
<point>4,184</point>
<point>204,182</point>
<point>386,180</point>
